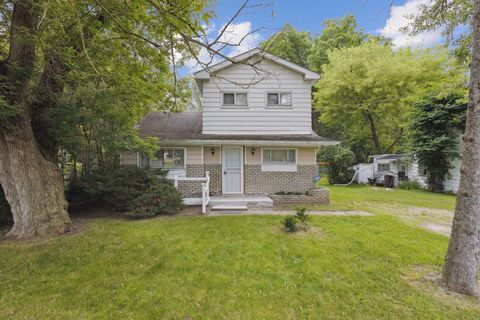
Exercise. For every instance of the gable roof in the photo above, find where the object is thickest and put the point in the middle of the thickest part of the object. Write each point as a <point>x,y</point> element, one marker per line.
<point>307,74</point>
<point>187,127</point>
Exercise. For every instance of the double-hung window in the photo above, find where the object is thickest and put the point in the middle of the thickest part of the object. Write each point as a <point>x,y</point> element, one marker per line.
<point>169,158</point>
<point>233,99</point>
<point>279,99</point>
<point>276,156</point>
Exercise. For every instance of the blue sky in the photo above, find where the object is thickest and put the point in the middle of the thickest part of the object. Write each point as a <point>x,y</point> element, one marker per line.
<point>383,17</point>
<point>309,14</point>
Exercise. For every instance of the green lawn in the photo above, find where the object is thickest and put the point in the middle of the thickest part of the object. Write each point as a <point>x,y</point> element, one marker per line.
<point>354,196</point>
<point>232,267</point>
<point>419,208</point>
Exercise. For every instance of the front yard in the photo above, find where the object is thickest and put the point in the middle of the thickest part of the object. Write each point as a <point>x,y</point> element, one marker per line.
<point>240,267</point>
<point>432,211</point>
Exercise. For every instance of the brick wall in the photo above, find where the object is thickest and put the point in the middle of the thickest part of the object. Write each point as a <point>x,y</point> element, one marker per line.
<point>194,188</point>
<point>215,178</point>
<point>315,196</point>
<point>257,181</point>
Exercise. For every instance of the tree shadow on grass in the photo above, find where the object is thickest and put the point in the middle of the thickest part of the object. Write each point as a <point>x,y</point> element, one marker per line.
<point>428,279</point>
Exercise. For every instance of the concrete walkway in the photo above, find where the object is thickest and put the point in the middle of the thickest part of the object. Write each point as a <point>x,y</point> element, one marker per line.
<point>292,212</point>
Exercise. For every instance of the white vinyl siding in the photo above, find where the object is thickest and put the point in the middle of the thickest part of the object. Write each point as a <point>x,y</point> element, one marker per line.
<point>257,118</point>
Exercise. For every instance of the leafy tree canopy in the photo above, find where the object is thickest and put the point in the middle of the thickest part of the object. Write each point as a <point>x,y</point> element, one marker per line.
<point>366,92</point>
<point>454,18</point>
<point>100,67</point>
<point>437,123</point>
<point>290,44</point>
<point>311,52</point>
<point>336,34</point>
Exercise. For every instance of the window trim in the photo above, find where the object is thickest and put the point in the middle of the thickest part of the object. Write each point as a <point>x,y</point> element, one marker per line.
<point>279,105</point>
<point>280,164</point>
<point>389,167</point>
<point>234,105</point>
<point>184,159</point>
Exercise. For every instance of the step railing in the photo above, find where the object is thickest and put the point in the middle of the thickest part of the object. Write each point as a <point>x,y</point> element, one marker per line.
<point>205,187</point>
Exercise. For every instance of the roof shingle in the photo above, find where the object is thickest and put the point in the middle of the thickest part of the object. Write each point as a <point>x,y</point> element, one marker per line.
<point>188,126</point>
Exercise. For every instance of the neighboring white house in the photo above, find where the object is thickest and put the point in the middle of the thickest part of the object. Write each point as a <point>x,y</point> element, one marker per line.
<point>254,135</point>
<point>391,169</point>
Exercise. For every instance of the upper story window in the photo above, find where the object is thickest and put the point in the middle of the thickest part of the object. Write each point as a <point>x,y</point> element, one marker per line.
<point>279,156</point>
<point>281,99</point>
<point>169,158</point>
<point>235,99</point>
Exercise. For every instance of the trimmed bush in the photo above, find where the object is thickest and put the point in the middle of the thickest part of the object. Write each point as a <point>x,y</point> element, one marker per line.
<point>410,185</point>
<point>159,199</point>
<point>289,193</point>
<point>118,188</point>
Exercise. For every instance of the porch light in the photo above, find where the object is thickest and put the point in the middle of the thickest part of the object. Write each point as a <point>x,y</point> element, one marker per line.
<point>212,150</point>
<point>253,151</point>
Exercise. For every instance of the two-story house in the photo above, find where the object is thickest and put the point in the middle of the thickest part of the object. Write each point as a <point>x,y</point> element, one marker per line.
<point>254,135</point>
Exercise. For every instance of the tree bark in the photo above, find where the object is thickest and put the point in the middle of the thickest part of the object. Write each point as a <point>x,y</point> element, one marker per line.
<point>460,271</point>
<point>373,130</point>
<point>33,184</point>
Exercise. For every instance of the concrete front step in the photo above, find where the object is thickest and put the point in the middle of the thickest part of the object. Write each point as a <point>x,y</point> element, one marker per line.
<point>242,200</point>
<point>233,203</point>
<point>228,206</point>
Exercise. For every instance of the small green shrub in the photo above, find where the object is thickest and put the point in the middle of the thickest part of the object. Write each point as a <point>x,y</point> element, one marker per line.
<point>290,224</point>
<point>5,212</point>
<point>159,199</point>
<point>289,193</point>
<point>302,216</point>
<point>410,185</point>
<point>294,193</point>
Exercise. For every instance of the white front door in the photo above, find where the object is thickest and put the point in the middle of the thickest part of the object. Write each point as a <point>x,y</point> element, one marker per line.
<point>232,170</point>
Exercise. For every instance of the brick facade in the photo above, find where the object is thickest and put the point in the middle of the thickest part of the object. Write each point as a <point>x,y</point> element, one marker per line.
<point>215,178</point>
<point>201,159</point>
<point>194,188</point>
<point>270,183</point>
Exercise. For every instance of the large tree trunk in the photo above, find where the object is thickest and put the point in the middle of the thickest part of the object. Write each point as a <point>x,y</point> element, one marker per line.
<point>33,184</point>
<point>33,187</point>
<point>460,272</point>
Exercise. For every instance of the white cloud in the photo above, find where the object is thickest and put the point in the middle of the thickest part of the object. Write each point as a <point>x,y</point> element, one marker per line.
<point>399,18</point>
<point>240,35</point>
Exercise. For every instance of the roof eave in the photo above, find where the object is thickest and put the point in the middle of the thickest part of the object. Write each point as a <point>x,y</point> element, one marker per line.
<point>284,143</point>
<point>308,74</point>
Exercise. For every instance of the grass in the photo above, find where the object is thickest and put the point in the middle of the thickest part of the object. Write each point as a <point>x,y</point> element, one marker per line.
<point>415,207</point>
<point>359,195</point>
<point>237,267</point>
